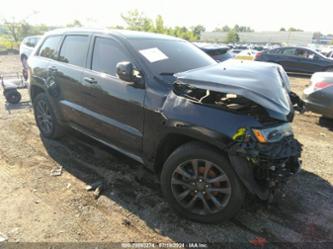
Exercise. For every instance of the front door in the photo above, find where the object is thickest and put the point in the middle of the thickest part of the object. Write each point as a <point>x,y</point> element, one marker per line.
<point>115,105</point>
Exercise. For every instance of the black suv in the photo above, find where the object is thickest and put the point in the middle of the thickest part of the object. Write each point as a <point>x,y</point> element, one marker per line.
<point>211,131</point>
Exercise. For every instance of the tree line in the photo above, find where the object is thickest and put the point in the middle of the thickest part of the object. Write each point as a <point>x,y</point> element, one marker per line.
<point>12,32</point>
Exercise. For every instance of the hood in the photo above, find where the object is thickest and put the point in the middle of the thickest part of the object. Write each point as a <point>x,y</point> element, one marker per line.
<point>264,83</point>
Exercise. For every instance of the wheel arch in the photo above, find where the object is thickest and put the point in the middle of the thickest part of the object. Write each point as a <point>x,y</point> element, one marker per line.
<point>170,142</point>
<point>35,90</point>
<point>23,56</point>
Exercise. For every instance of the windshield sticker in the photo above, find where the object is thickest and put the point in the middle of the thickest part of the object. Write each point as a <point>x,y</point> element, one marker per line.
<point>153,54</point>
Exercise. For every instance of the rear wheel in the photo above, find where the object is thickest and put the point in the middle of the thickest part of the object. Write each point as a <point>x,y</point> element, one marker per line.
<point>45,118</point>
<point>24,61</point>
<point>200,184</point>
<point>13,96</point>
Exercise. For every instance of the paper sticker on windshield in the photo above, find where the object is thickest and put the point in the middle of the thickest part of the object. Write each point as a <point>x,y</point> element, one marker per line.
<point>153,54</point>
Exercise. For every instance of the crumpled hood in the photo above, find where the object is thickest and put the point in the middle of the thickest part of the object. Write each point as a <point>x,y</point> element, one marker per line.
<point>264,83</point>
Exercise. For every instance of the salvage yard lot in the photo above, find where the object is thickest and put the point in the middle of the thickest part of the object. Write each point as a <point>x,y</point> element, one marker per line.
<point>37,207</point>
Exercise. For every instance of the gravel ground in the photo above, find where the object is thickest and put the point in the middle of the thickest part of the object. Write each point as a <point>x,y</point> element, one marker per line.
<point>37,207</point>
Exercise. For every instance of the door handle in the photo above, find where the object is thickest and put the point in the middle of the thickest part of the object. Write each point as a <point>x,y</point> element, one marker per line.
<point>90,80</point>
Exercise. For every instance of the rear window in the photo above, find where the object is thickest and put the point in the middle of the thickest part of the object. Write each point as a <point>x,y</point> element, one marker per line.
<point>49,49</point>
<point>74,50</point>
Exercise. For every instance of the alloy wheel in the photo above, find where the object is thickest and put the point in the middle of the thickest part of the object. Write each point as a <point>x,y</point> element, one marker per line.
<point>201,187</point>
<point>44,117</point>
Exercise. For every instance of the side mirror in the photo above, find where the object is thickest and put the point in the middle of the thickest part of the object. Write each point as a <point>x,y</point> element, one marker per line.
<point>125,71</point>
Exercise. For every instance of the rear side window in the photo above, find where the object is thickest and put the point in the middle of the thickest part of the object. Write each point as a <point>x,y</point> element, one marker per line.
<point>107,53</point>
<point>289,51</point>
<point>74,50</point>
<point>49,49</point>
<point>275,51</point>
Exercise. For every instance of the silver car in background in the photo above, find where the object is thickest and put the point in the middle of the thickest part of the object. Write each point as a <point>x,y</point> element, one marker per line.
<point>26,47</point>
<point>318,97</point>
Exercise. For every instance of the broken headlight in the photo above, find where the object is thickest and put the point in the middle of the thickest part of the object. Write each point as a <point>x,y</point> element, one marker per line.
<point>273,134</point>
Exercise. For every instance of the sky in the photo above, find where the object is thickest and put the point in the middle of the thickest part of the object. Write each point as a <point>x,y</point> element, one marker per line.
<point>262,15</point>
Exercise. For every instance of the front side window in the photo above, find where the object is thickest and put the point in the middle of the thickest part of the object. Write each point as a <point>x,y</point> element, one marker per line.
<point>49,49</point>
<point>107,54</point>
<point>74,50</point>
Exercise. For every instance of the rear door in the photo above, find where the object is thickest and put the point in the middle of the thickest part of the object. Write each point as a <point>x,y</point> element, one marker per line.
<point>288,59</point>
<point>45,56</point>
<point>116,105</point>
<point>68,74</point>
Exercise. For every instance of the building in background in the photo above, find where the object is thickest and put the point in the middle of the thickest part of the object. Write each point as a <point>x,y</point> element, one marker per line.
<point>280,37</point>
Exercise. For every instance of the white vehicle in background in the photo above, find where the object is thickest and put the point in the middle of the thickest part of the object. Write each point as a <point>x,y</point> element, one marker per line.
<point>26,47</point>
<point>247,54</point>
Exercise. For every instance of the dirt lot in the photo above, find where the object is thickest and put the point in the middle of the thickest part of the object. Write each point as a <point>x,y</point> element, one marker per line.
<point>37,207</point>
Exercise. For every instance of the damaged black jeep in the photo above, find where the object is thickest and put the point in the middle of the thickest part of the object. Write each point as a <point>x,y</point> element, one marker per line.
<point>212,131</point>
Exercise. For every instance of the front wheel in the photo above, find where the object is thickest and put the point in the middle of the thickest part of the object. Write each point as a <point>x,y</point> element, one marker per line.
<point>200,184</point>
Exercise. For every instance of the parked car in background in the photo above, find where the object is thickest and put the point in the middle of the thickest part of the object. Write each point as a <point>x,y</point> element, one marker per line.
<point>217,52</point>
<point>318,97</point>
<point>248,54</point>
<point>297,60</point>
<point>237,49</point>
<point>211,131</point>
<point>26,47</point>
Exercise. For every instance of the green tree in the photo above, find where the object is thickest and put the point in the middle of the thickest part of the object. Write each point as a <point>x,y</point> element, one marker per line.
<point>232,36</point>
<point>75,23</point>
<point>159,25</point>
<point>292,29</point>
<point>136,20</point>
<point>282,29</point>
<point>197,30</point>
<point>237,28</point>
<point>226,28</point>
<point>12,30</point>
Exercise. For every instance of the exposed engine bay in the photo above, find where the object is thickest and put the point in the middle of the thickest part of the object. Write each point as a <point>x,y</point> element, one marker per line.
<point>264,157</point>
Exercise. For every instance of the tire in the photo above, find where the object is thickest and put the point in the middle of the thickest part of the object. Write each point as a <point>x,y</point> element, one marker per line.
<point>13,96</point>
<point>24,61</point>
<point>45,118</point>
<point>330,69</point>
<point>173,177</point>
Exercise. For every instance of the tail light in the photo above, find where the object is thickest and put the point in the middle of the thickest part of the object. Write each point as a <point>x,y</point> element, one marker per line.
<point>258,54</point>
<point>322,85</point>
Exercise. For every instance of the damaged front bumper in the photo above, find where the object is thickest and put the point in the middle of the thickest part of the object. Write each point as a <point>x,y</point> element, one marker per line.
<point>263,167</point>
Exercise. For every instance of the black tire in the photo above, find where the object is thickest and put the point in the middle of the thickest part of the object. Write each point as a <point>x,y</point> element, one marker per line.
<point>330,69</point>
<point>24,60</point>
<point>200,152</point>
<point>13,96</point>
<point>47,121</point>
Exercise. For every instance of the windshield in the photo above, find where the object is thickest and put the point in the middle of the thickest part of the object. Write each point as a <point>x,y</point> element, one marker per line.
<point>166,57</point>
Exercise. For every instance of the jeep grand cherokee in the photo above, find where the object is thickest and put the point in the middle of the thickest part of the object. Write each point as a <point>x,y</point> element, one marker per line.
<point>211,131</point>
